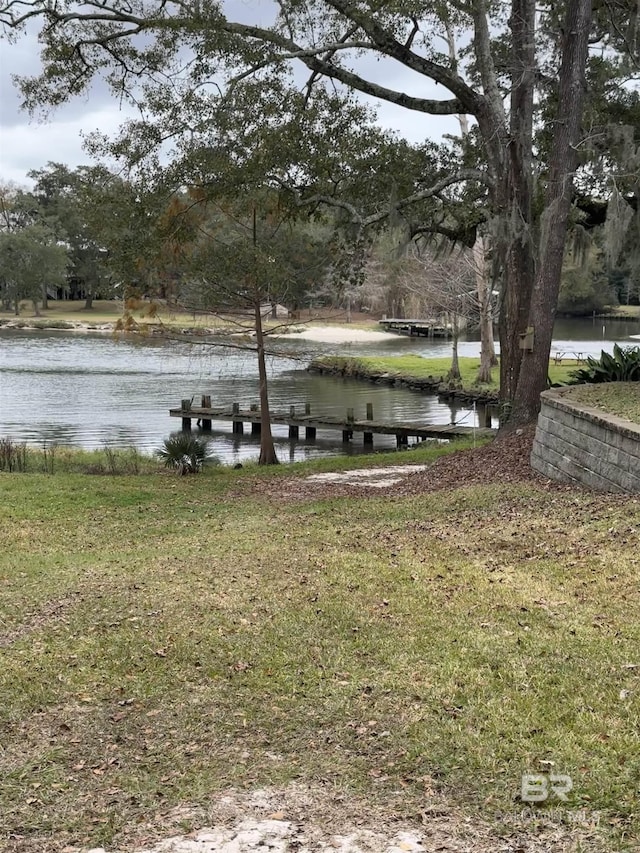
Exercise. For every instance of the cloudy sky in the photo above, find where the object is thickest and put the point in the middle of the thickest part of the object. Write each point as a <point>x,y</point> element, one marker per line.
<point>28,143</point>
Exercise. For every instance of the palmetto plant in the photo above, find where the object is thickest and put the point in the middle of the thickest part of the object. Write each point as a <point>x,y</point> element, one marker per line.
<point>184,453</point>
<point>622,366</point>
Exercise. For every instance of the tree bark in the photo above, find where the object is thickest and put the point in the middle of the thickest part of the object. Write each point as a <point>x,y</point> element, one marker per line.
<point>517,250</point>
<point>534,368</point>
<point>483,289</point>
<point>267,450</point>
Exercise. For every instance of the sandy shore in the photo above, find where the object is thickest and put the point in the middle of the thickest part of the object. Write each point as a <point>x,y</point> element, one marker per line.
<point>317,334</point>
<point>336,335</point>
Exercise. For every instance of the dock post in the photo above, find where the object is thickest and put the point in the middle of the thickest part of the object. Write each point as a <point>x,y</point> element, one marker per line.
<point>206,404</point>
<point>256,426</point>
<point>347,434</point>
<point>309,432</point>
<point>238,426</point>
<point>368,436</point>
<point>293,430</point>
<point>402,441</point>
<point>484,415</point>
<point>186,420</point>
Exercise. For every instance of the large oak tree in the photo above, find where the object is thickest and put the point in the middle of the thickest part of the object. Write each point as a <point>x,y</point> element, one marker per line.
<point>516,59</point>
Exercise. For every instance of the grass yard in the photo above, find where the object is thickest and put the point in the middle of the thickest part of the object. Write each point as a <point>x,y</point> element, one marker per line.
<point>164,638</point>
<point>621,399</point>
<point>417,367</point>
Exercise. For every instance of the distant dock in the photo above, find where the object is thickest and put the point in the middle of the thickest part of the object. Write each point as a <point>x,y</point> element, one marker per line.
<point>302,418</point>
<point>416,328</point>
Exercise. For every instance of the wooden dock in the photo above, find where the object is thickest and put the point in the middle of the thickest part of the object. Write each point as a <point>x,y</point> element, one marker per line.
<point>416,328</point>
<point>296,420</point>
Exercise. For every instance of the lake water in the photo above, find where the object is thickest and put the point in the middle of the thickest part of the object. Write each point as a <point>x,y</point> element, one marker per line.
<point>90,390</point>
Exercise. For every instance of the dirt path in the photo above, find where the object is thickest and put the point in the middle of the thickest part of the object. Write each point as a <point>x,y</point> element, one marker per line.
<point>308,820</point>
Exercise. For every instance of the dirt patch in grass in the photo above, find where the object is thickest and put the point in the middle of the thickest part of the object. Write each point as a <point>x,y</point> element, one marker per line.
<point>323,817</point>
<point>48,612</point>
<point>504,460</point>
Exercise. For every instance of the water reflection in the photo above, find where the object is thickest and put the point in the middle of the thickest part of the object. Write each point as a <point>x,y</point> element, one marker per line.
<point>91,390</point>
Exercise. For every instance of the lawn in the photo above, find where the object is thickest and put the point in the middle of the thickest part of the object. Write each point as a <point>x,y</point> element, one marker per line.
<point>616,398</point>
<point>164,638</point>
<point>417,367</point>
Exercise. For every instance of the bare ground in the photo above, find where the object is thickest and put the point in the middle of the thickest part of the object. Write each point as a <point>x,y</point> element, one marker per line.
<point>302,819</point>
<point>505,460</point>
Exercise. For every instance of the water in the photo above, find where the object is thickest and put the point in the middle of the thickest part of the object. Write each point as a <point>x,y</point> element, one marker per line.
<point>92,390</point>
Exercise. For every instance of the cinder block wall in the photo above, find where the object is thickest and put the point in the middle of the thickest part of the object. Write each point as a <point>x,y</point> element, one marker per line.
<point>579,444</point>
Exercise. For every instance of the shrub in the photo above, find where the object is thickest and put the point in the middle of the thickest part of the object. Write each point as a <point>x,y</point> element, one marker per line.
<point>13,456</point>
<point>184,453</point>
<point>622,366</point>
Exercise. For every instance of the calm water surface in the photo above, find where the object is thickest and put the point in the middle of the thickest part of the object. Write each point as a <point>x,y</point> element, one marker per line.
<point>91,390</point>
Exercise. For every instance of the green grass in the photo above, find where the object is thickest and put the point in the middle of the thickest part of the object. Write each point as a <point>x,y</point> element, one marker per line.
<point>417,367</point>
<point>616,398</point>
<point>164,637</point>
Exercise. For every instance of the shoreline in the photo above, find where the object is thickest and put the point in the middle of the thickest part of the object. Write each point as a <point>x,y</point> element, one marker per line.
<point>325,334</point>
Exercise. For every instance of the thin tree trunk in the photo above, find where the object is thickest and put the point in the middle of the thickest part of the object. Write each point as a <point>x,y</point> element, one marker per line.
<point>267,449</point>
<point>454,372</point>
<point>483,289</point>
<point>535,363</point>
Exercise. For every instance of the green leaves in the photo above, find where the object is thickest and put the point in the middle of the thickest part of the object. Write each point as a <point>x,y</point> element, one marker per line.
<point>184,453</point>
<point>622,366</point>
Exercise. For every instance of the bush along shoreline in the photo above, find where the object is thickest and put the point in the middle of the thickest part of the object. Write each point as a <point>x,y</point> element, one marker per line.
<point>369,370</point>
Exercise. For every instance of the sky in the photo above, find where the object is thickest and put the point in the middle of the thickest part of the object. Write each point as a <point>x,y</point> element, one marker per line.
<point>28,143</point>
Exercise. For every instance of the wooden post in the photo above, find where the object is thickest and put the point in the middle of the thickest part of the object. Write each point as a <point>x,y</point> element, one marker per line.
<point>293,429</point>
<point>309,432</point>
<point>484,415</point>
<point>256,426</point>
<point>186,420</point>
<point>206,404</point>
<point>238,426</point>
<point>401,441</point>
<point>347,434</point>
<point>368,436</point>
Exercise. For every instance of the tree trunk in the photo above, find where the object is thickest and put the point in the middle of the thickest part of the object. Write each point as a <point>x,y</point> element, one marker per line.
<point>534,368</point>
<point>36,309</point>
<point>45,298</point>
<point>88,301</point>
<point>515,199</point>
<point>454,372</point>
<point>483,289</point>
<point>267,450</point>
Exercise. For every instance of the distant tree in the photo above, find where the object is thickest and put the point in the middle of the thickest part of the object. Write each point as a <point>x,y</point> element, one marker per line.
<point>447,284</point>
<point>586,287</point>
<point>30,261</point>
<point>69,202</point>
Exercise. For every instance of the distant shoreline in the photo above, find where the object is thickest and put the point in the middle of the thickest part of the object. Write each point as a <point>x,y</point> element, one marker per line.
<point>328,334</point>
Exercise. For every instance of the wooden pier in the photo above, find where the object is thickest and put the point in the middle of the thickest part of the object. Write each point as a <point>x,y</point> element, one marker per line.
<point>416,328</point>
<point>296,420</point>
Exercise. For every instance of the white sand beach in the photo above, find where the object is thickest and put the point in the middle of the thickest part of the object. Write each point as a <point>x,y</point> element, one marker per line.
<point>336,335</point>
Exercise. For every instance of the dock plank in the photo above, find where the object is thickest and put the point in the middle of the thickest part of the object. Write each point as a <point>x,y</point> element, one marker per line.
<point>332,422</point>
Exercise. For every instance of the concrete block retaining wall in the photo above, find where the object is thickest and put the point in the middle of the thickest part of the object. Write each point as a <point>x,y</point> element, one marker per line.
<point>579,444</point>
